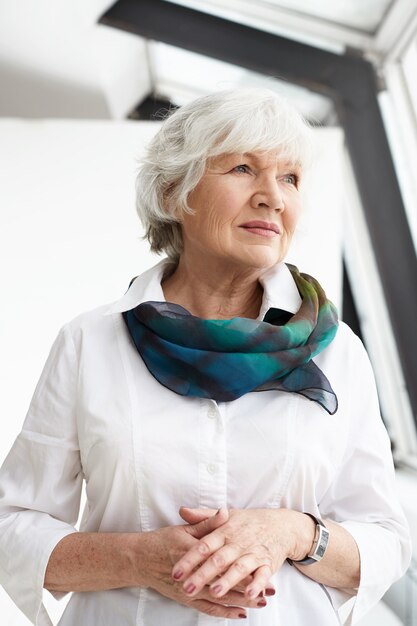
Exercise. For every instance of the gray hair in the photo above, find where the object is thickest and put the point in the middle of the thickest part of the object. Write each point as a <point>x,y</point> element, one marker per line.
<point>239,120</point>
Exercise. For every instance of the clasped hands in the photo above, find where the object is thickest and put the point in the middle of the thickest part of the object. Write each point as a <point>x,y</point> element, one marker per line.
<point>240,550</point>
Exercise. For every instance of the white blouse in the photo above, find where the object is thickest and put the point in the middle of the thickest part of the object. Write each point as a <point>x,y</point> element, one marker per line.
<point>98,415</point>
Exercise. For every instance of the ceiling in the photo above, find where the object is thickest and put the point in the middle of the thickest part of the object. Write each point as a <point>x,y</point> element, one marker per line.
<point>178,76</point>
<point>364,16</point>
<point>56,60</point>
<point>371,26</point>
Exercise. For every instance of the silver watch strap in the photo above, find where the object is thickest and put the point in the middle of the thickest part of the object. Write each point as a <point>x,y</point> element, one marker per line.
<point>320,543</point>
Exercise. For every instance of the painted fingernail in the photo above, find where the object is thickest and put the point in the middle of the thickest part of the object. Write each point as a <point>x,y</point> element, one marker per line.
<point>261,603</point>
<point>242,615</point>
<point>216,589</point>
<point>177,574</point>
<point>189,588</point>
<point>270,592</point>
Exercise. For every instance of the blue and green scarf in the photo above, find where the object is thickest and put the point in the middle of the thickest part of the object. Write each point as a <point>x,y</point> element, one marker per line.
<point>224,359</point>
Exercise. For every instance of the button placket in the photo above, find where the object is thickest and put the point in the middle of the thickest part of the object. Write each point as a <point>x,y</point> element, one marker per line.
<point>212,475</point>
<point>212,413</point>
<point>212,468</point>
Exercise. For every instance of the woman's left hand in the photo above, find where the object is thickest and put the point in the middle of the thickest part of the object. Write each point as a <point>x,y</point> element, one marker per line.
<point>251,542</point>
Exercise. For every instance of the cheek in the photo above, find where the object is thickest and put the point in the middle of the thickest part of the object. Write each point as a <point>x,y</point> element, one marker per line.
<point>291,217</point>
<point>224,207</point>
<point>217,210</point>
<point>207,224</point>
<point>294,220</point>
<point>220,212</point>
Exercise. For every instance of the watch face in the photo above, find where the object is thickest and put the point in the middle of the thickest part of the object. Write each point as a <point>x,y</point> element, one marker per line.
<point>322,543</point>
<point>321,550</point>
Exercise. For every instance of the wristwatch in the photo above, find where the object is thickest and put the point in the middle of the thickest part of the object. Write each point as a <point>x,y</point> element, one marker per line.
<point>318,549</point>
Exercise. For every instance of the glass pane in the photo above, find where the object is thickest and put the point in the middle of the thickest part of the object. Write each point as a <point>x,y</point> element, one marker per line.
<point>180,76</point>
<point>360,14</point>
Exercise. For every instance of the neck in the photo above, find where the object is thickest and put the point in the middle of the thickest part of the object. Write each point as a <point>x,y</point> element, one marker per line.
<point>210,290</point>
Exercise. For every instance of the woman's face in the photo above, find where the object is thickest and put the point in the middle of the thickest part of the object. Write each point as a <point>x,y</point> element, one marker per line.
<point>246,210</point>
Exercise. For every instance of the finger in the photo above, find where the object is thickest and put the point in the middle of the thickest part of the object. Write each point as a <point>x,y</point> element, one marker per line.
<point>243,583</point>
<point>235,598</point>
<point>197,554</point>
<point>207,526</point>
<point>218,610</point>
<point>240,587</point>
<point>193,516</point>
<point>213,567</point>
<point>260,579</point>
<point>268,591</point>
<point>237,571</point>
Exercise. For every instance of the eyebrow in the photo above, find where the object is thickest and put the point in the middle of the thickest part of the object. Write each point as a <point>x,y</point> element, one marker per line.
<point>254,156</point>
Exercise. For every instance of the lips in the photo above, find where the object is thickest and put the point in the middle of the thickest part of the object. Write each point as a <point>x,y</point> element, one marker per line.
<point>259,225</point>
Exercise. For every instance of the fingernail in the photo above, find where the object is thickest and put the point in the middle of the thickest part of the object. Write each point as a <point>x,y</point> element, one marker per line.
<point>242,615</point>
<point>261,603</point>
<point>216,589</point>
<point>189,588</point>
<point>177,574</point>
<point>261,594</point>
<point>270,592</point>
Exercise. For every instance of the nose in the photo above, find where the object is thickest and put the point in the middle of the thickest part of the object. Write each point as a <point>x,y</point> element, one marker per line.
<point>268,195</point>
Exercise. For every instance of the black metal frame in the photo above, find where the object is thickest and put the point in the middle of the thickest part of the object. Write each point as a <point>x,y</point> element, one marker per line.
<point>152,109</point>
<point>352,84</point>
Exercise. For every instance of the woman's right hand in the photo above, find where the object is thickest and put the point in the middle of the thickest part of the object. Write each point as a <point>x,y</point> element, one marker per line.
<point>162,548</point>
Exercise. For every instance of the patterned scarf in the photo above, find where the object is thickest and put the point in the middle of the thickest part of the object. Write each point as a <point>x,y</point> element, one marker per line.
<point>224,359</point>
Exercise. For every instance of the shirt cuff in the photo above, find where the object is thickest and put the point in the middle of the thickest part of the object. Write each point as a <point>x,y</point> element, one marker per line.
<point>377,546</point>
<point>24,575</point>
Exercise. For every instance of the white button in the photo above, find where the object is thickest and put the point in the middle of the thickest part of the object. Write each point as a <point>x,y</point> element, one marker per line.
<point>212,413</point>
<point>212,468</point>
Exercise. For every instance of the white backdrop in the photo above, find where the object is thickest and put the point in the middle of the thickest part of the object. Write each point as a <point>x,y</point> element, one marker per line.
<point>70,241</point>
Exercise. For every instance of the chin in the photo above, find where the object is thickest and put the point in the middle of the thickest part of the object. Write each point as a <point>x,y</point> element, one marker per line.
<point>267,256</point>
<point>262,260</point>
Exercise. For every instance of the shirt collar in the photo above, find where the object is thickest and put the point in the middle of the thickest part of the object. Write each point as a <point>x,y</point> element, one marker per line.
<point>280,290</point>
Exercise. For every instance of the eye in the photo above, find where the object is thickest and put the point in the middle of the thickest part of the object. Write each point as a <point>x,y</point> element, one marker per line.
<point>241,169</point>
<point>292,179</point>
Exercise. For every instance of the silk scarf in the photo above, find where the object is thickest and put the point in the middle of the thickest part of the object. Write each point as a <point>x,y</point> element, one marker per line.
<point>224,359</point>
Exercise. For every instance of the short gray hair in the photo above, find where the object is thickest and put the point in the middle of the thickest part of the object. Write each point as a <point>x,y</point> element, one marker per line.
<point>239,120</point>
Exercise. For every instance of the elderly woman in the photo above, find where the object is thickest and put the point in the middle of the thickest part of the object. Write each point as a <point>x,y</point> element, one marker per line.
<point>223,382</point>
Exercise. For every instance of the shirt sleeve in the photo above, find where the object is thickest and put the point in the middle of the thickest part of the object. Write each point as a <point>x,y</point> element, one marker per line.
<point>40,482</point>
<point>363,498</point>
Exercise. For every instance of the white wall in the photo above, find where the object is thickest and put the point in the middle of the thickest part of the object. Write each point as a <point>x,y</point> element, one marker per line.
<point>70,241</point>
<point>56,61</point>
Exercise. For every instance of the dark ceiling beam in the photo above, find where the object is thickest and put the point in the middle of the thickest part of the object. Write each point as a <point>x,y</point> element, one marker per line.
<point>152,109</point>
<point>231,42</point>
<point>351,83</point>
